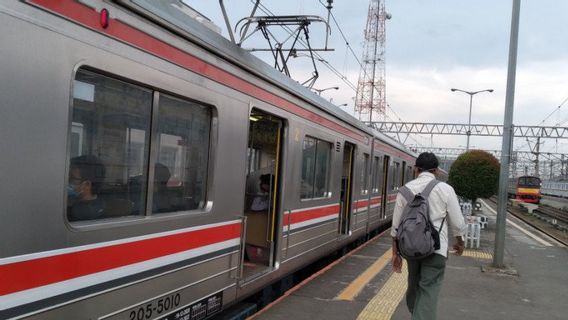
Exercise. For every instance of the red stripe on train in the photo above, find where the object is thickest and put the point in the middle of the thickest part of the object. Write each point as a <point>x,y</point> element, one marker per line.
<point>365,203</point>
<point>121,31</point>
<point>30,274</point>
<point>310,214</point>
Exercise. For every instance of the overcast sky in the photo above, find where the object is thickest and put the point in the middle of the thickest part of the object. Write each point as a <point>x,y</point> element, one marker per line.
<point>435,45</point>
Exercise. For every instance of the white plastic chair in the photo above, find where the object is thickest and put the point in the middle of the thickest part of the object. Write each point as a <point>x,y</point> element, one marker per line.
<point>482,221</point>
<point>473,232</point>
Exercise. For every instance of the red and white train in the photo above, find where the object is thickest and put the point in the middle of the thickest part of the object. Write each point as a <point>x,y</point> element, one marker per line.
<point>153,170</point>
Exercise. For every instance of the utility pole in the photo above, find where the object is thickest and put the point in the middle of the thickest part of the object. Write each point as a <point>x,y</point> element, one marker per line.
<point>562,172</point>
<point>537,154</point>
<point>514,160</point>
<point>508,133</point>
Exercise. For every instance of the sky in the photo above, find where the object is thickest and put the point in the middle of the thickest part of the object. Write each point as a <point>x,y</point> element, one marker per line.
<point>432,46</point>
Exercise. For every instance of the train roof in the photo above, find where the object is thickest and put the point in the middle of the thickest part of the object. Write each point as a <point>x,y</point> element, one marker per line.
<point>215,43</point>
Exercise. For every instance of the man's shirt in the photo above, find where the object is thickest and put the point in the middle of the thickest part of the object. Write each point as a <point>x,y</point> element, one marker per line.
<point>442,201</point>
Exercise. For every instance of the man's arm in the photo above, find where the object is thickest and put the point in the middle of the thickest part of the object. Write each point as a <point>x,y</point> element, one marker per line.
<point>456,220</point>
<point>396,258</point>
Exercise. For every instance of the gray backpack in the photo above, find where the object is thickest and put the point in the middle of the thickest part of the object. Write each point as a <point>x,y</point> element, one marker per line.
<point>417,238</point>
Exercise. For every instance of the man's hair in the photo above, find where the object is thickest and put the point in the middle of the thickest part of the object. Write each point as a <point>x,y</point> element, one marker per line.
<point>90,168</point>
<point>265,178</point>
<point>426,161</point>
<point>161,174</point>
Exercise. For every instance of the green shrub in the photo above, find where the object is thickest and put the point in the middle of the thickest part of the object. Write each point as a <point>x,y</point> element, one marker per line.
<point>475,174</point>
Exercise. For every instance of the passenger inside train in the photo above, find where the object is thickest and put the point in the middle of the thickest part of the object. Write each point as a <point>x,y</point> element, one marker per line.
<point>262,200</point>
<point>86,175</point>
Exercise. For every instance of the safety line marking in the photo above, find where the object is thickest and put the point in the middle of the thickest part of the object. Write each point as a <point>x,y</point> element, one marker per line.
<point>478,254</point>
<point>353,289</point>
<point>538,239</point>
<point>383,305</point>
<point>315,275</point>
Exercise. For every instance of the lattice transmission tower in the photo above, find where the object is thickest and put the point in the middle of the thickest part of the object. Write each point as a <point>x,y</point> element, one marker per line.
<point>370,100</point>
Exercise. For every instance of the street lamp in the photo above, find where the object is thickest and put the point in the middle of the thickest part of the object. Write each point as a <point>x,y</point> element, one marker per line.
<point>319,91</point>
<point>471,94</point>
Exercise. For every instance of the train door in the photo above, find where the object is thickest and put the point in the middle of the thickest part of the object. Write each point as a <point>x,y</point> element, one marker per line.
<point>384,193</point>
<point>346,188</point>
<point>264,153</point>
<point>404,174</point>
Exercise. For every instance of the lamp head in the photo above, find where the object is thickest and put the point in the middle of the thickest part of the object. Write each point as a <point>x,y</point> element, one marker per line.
<point>490,90</point>
<point>453,89</point>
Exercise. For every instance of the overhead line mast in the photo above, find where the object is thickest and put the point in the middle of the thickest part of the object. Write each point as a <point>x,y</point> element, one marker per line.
<point>370,100</point>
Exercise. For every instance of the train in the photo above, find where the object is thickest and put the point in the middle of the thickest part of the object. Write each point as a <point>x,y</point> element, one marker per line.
<point>525,188</point>
<point>555,188</point>
<point>154,170</point>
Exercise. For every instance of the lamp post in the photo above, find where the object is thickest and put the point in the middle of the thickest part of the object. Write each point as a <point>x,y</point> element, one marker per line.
<point>319,91</point>
<point>471,94</point>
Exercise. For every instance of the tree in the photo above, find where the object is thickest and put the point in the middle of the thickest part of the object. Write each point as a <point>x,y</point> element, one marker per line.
<point>475,174</point>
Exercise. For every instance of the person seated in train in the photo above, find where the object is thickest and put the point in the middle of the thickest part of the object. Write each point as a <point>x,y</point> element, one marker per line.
<point>162,201</point>
<point>262,199</point>
<point>86,176</point>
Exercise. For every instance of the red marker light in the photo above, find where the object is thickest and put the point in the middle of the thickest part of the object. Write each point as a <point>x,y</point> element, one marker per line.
<point>104,18</point>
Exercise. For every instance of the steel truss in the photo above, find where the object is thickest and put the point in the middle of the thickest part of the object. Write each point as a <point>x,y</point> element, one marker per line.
<point>487,130</point>
<point>550,165</point>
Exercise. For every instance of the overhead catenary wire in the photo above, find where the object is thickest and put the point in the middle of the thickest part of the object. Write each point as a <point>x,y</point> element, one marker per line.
<point>544,120</point>
<point>554,111</point>
<point>326,63</point>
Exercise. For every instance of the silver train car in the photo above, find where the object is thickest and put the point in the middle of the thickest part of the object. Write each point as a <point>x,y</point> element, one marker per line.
<point>153,170</point>
<point>554,188</point>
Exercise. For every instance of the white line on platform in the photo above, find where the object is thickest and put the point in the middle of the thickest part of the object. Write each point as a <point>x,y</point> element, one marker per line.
<point>523,230</point>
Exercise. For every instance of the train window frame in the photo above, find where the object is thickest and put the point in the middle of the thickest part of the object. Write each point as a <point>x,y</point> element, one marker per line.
<point>327,192</point>
<point>145,213</point>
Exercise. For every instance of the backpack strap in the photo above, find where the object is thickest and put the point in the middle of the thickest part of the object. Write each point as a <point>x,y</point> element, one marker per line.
<point>429,187</point>
<point>426,192</point>
<point>406,193</point>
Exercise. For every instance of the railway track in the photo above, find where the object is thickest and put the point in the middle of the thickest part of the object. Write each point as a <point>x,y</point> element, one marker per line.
<point>547,228</point>
<point>554,213</point>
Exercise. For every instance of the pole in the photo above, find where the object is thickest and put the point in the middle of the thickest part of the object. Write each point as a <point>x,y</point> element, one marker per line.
<point>507,138</point>
<point>469,121</point>
<point>514,160</point>
<point>537,153</point>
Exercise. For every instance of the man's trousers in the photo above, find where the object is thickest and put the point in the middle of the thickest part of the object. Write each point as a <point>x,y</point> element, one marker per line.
<point>424,282</point>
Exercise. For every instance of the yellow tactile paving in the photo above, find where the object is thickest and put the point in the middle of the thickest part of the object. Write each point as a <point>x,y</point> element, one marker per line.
<point>357,285</point>
<point>383,305</point>
<point>482,254</point>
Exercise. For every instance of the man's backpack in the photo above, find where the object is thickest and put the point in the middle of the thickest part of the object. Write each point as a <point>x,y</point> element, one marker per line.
<point>417,238</point>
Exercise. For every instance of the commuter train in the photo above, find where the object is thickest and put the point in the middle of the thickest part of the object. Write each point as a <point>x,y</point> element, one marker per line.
<point>153,170</point>
<point>525,188</point>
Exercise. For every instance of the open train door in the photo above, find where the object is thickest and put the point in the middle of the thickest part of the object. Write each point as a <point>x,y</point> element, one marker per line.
<point>264,154</point>
<point>346,189</point>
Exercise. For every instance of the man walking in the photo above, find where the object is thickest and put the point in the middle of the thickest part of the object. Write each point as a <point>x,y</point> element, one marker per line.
<point>425,275</point>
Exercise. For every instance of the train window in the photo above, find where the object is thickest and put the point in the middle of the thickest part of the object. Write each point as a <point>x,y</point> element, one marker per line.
<point>396,176</point>
<point>109,150</point>
<point>316,155</point>
<point>108,147</point>
<point>183,151</point>
<point>377,170</point>
<point>365,174</point>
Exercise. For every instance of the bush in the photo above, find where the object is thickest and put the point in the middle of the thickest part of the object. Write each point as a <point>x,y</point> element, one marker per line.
<point>475,174</point>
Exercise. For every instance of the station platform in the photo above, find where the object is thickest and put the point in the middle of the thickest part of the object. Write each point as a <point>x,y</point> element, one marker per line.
<point>361,285</point>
